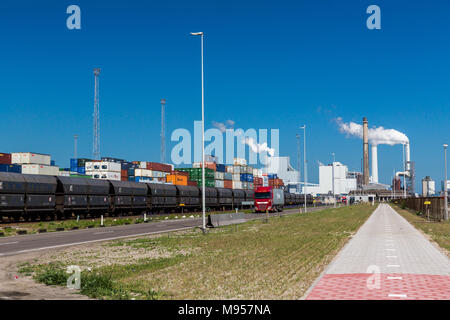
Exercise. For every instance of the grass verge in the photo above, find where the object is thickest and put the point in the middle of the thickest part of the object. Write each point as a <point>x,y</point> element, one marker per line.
<point>438,231</point>
<point>279,259</point>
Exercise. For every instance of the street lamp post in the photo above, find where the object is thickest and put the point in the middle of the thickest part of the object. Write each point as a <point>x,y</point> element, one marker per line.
<point>203,134</point>
<point>332,183</point>
<point>445,184</point>
<point>305,174</point>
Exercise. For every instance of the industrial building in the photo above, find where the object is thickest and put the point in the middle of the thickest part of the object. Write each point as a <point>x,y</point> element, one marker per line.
<point>428,187</point>
<point>334,176</point>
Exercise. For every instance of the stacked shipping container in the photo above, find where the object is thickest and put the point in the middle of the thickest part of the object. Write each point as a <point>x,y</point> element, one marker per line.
<point>33,163</point>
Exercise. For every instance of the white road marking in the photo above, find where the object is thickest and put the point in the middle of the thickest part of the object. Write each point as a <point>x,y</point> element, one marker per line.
<point>4,244</point>
<point>395,278</point>
<point>390,249</point>
<point>391,256</point>
<point>393,265</point>
<point>393,295</point>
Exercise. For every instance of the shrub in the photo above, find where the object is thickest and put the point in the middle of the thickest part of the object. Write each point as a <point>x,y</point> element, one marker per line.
<point>53,275</point>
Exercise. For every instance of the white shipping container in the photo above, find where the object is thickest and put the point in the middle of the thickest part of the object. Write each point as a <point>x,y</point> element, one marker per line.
<point>237,184</point>
<point>237,169</point>
<point>149,173</point>
<point>92,165</point>
<point>104,175</point>
<point>257,172</point>
<point>64,174</point>
<point>236,177</point>
<point>30,158</point>
<point>219,184</point>
<point>143,165</point>
<point>40,169</point>
<point>229,169</point>
<point>142,173</point>
<point>239,162</point>
<point>218,175</point>
<point>107,166</point>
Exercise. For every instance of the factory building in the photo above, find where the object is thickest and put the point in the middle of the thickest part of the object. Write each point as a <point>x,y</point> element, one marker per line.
<point>282,168</point>
<point>428,187</point>
<point>344,181</point>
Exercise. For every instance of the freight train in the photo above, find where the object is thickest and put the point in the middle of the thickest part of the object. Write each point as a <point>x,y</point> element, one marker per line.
<point>30,196</point>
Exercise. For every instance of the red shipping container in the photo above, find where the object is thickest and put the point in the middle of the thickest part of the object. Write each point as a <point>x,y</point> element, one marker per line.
<point>192,183</point>
<point>180,173</point>
<point>159,167</point>
<point>228,184</point>
<point>5,158</point>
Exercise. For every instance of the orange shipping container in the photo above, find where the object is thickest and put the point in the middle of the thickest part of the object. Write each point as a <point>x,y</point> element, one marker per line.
<point>177,179</point>
<point>228,184</point>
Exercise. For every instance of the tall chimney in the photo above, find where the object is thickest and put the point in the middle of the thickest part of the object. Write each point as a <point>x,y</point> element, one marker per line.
<point>374,163</point>
<point>366,151</point>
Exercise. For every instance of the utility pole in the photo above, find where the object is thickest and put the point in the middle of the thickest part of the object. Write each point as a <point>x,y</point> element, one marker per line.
<point>305,173</point>
<point>96,133</point>
<point>163,135</point>
<point>75,138</point>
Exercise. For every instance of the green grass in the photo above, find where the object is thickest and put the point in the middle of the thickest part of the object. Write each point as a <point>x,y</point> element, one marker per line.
<point>255,260</point>
<point>438,231</point>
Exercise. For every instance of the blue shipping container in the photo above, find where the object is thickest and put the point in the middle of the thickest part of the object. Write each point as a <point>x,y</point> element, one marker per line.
<point>247,177</point>
<point>52,162</point>
<point>220,167</point>
<point>73,163</point>
<point>10,168</point>
<point>228,176</point>
<point>143,179</point>
<point>81,170</point>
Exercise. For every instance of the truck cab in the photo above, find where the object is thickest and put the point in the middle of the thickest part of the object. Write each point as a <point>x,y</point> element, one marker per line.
<point>268,198</point>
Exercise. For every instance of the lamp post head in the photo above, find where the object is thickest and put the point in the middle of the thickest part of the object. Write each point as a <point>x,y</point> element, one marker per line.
<point>445,146</point>
<point>197,33</point>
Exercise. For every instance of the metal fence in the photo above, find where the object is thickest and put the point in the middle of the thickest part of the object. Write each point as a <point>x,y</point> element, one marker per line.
<point>430,207</point>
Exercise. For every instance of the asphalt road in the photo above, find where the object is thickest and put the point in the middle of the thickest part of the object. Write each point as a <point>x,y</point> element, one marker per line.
<point>35,242</point>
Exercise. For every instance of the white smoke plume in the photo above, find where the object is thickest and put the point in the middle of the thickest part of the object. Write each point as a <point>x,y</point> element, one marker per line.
<point>377,135</point>
<point>223,126</point>
<point>259,147</point>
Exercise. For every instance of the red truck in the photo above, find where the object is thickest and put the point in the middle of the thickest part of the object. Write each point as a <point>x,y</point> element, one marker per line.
<point>268,198</point>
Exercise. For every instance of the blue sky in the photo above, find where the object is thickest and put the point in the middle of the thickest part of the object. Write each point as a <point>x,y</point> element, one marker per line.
<point>267,65</point>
